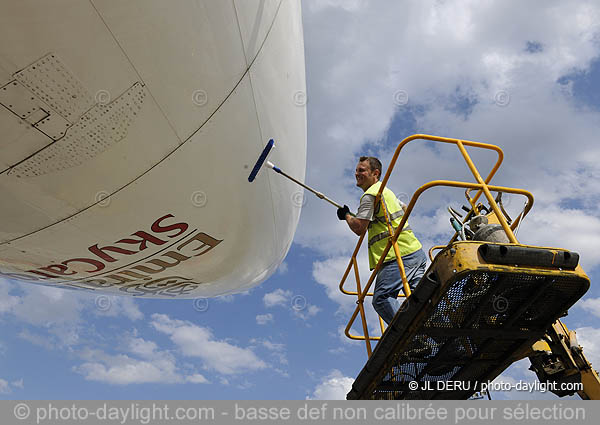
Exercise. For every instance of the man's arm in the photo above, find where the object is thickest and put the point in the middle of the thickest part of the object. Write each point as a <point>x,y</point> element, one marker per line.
<point>363,217</point>
<point>357,225</point>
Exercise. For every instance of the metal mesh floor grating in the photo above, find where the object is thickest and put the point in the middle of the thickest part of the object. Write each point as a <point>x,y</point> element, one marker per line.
<point>466,330</point>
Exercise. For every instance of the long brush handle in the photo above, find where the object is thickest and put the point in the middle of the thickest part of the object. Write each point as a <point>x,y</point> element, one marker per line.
<point>319,194</point>
<point>262,159</point>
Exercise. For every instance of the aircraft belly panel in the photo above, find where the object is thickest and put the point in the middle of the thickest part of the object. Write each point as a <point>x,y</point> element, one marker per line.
<point>19,139</point>
<point>189,54</point>
<point>75,32</point>
<point>191,221</point>
<point>49,79</point>
<point>108,148</point>
<point>93,133</point>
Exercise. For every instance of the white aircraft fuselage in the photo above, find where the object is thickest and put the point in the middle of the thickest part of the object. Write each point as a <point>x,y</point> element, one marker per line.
<point>128,130</point>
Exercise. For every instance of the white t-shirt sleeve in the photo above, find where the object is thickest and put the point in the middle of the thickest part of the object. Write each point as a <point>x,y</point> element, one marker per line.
<point>366,208</point>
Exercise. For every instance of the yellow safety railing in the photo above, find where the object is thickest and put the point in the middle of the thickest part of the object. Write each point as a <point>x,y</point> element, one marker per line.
<point>481,185</point>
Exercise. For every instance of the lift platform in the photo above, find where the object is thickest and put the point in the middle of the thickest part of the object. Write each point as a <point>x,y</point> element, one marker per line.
<point>479,308</point>
<point>485,302</point>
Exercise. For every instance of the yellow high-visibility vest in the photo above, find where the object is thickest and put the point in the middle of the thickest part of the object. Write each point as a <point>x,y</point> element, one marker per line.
<point>378,231</point>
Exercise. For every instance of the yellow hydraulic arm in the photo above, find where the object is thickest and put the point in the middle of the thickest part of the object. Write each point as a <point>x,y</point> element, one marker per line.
<point>559,358</point>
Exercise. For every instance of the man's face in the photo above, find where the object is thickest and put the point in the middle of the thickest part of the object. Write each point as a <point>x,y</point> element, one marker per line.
<point>365,177</point>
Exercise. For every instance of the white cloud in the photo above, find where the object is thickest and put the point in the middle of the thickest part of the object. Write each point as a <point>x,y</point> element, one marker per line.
<point>144,363</point>
<point>226,298</point>
<point>244,385</point>
<point>298,304</point>
<point>308,311</point>
<point>283,268</point>
<point>196,341</point>
<point>277,350</point>
<point>270,345</point>
<point>573,229</point>
<point>113,306</point>
<point>4,387</point>
<point>142,348</point>
<point>338,336</point>
<point>7,388</point>
<point>7,301</point>
<point>329,274</point>
<point>54,309</point>
<point>124,370</point>
<point>51,306</point>
<point>45,306</point>
<point>61,312</point>
<point>43,340</point>
<point>334,386</point>
<point>263,319</point>
<point>18,384</point>
<point>351,5</point>
<point>312,310</point>
<point>591,305</point>
<point>338,350</point>
<point>197,379</point>
<point>589,339</point>
<point>278,297</point>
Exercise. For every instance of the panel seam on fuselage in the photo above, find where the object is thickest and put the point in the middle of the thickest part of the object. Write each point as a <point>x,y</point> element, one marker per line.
<point>136,71</point>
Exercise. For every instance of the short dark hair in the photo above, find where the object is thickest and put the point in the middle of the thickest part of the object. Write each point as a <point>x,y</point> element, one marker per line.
<point>374,163</point>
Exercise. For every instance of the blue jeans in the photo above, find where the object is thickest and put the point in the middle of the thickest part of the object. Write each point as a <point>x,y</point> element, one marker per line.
<point>389,283</point>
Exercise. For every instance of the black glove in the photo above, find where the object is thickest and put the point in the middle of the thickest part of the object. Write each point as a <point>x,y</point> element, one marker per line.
<point>341,212</point>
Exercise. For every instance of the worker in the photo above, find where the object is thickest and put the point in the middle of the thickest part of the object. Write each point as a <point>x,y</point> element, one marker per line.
<point>371,216</point>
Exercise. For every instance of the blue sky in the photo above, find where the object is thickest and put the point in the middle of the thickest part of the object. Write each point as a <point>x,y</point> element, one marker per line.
<point>526,80</point>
